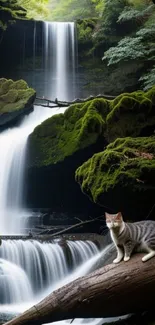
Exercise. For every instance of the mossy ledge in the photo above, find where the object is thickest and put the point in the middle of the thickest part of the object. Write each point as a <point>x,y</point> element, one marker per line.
<point>16,98</point>
<point>62,135</point>
<point>122,176</point>
<point>64,142</point>
<point>129,114</point>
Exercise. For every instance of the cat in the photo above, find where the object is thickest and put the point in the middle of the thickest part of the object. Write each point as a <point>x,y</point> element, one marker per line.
<point>129,237</point>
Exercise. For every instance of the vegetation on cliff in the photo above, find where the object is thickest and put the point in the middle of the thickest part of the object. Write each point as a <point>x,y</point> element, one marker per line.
<point>123,41</point>
<point>15,95</point>
<point>36,9</point>
<point>10,10</point>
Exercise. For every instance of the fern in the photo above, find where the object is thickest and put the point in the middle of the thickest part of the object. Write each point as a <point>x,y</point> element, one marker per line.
<point>148,80</point>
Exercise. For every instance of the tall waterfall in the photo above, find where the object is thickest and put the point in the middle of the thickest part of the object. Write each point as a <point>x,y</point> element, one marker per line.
<point>59,52</point>
<point>29,270</point>
<point>12,164</point>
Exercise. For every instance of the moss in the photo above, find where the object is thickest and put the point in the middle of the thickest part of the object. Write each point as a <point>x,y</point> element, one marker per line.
<point>128,162</point>
<point>151,94</point>
<point>84,123</point>
<point>130,113</point>
<point>2,80</point>
<point>62,135</point>
<point>20,84</point>
<point>5,86</point>
<point>14,95</point>
<point>10,97</point>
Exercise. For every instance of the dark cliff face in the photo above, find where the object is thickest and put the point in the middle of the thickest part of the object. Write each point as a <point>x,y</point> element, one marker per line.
<point>54,187</point>
<point>18,45</point>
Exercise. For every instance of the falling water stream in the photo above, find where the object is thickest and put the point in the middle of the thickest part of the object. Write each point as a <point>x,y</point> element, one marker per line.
<point>60,58</point>
<point>12,164</point>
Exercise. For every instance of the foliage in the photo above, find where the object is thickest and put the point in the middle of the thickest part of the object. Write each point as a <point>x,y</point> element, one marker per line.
<point>10,10</point>
<point>148,79</point>
<point>127,49</point>
<point>36,9</point>
<point>140,46</point>
<point>74,9</point>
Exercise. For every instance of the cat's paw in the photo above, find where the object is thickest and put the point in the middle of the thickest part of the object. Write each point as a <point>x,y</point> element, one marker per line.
<point>126,258</point>
<point>117,260</point>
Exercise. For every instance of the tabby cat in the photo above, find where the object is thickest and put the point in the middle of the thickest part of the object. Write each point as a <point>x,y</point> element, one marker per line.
<point>129,237</point>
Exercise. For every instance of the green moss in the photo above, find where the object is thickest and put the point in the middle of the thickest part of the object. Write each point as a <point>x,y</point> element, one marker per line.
<point>128,162</point>
<point>130,113</point>
<point>14,95</point>
<point>151,94</point>
<point>20,84</point>
<point>63,134</point>
<point>82,124</point>
<point>10,97</point>
<point>2,80</point>
<point>5,86</point>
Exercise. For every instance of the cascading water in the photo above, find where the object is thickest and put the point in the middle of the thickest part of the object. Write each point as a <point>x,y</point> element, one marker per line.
<point>59,52</point>
<point>29,270</point>
<point>32,268</point>
<point>12,163</point>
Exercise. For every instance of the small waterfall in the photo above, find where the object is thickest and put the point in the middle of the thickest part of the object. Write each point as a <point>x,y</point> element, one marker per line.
<point>59,51</point>
<point>14,284</point>
<point>12,163</point>
<point>32,268</point>
<point>81,250</point>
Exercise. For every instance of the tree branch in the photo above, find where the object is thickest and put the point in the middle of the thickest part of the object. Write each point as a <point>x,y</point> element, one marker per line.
<point>58,103</point>
<point>79,224</point>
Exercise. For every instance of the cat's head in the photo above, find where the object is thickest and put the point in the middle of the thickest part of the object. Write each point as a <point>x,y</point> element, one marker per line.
<point>114,220</point>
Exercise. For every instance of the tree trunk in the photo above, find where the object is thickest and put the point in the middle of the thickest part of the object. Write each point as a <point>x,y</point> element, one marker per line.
<point>113,290</point>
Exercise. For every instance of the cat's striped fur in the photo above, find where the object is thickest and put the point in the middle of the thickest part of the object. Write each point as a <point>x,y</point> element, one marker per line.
<point>129,237</point>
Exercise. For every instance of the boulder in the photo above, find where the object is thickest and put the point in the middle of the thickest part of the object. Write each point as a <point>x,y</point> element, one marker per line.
<point>122,177</point>
<point>16,99</point>
<point>66,141</point>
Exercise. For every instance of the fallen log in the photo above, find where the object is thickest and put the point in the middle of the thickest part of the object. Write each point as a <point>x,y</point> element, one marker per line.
<point>60,103</point>
<point>114,290</point>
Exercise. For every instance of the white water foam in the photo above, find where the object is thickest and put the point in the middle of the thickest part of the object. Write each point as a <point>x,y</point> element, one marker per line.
<point>12,165</point>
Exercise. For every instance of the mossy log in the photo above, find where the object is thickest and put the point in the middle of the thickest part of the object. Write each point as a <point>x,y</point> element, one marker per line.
<point>113,290</point>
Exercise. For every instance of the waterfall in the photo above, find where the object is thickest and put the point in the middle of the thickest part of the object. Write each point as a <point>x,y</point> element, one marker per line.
<point>59,52</point>
<point>29,270</point>
<point>32,268</point>
<point>12,164</point>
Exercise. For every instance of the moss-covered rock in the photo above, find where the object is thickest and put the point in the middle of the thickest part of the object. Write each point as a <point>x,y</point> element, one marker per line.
<point>16,98</point>
<point>130,114</point>
<point>66,141</point>
<point>82,124</point>
<point>64,134</point>
<point>124,172</point>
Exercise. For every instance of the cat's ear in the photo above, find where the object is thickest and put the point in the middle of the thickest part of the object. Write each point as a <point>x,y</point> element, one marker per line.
<point>119,215</point>
<point>106,215</point>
